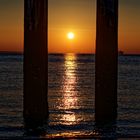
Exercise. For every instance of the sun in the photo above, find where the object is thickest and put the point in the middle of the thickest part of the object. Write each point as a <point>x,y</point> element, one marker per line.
<point>70,35</point>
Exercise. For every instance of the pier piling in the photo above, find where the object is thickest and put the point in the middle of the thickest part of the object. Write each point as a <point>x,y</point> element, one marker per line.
<point>106,61</point>
<point>35,61</point>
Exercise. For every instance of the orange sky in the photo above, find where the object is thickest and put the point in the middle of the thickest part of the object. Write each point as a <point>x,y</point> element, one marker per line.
<point>78,16</point>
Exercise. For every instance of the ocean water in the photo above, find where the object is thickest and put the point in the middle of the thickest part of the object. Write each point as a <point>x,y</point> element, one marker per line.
<point>71,98</point>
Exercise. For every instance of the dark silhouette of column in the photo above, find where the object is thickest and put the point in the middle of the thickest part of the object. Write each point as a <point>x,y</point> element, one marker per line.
<point>35,61</point>
<point>106,61</point>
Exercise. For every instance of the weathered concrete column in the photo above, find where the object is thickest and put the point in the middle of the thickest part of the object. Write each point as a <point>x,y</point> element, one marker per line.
<point>35,60</point>
<point>106,61</point>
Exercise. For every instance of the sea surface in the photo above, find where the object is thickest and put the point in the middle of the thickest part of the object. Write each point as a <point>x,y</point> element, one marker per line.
<point>71,92</point>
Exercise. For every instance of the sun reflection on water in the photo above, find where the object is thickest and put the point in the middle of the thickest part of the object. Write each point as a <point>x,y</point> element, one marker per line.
<point>71,114</point>
<point>70,99</point>
<point>69,119</point>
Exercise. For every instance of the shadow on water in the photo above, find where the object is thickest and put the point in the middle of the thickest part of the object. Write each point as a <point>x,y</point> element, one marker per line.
<point>35,128</point>
<point>106,130</point>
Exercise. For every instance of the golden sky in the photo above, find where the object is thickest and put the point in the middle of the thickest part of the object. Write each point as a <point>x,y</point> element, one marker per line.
<point>77,16</point>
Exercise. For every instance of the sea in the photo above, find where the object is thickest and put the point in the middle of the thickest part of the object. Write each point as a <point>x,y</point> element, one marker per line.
<point>71,98</point>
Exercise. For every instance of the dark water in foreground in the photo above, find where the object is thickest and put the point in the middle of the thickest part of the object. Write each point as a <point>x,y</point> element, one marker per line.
<point>71,96</point>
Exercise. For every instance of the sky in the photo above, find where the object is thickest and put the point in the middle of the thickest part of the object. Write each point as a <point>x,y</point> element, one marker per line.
<point>77,16</point>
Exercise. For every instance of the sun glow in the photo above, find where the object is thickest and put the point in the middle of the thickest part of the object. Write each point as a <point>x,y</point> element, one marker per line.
<point>70,35</point>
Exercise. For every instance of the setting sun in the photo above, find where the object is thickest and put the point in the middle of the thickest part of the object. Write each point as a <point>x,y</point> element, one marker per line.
<point>70,35</point>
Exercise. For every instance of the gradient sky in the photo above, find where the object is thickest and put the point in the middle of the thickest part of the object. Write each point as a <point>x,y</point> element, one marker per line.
<point>78,16</point>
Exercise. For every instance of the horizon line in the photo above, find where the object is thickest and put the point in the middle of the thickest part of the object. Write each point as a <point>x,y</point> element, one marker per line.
<point>51,53</point>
